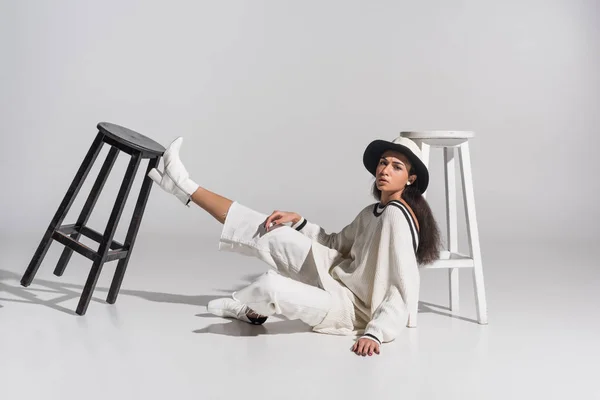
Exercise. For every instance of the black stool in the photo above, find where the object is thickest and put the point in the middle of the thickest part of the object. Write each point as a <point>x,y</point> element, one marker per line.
<point>139,147</point>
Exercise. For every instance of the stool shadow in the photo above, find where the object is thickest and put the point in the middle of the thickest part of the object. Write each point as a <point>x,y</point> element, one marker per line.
<point>72,291</point>
<point>425,307</point>
<point>240,328</point>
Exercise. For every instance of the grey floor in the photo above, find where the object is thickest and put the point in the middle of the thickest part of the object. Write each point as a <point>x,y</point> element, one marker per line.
<point>158,342</point>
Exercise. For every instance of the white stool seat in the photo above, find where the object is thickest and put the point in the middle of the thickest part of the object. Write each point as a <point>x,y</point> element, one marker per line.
<point>440,138</point>
<point>450,258</point>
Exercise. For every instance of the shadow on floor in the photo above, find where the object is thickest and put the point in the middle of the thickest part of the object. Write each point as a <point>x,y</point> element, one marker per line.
<point>239,328</point>
<point>72,291</point>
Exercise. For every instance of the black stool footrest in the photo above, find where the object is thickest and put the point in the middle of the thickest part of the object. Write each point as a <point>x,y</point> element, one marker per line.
<point>89,233</point>
<point>97,237</point>
<point>75,245</point>
<point>62,235</point>
<point>116,255</point>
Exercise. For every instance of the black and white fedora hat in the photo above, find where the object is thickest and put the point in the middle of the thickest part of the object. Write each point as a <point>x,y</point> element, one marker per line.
<point>402,145</point>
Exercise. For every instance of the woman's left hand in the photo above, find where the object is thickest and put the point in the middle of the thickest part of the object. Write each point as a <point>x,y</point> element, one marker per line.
<point>364,346</point>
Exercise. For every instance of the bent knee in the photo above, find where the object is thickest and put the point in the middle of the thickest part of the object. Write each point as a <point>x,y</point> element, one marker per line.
<point>270,281</point>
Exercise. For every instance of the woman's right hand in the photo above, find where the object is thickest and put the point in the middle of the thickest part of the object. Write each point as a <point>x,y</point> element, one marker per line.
<point>281,217</point>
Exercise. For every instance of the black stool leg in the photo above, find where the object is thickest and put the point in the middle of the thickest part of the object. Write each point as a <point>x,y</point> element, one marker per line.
<point>88,207</point>
<point>132,232</point>
<point>109,233</point>
<point>63,209</point>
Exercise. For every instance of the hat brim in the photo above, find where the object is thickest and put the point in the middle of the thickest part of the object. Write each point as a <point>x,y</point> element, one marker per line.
<point>376,148</point>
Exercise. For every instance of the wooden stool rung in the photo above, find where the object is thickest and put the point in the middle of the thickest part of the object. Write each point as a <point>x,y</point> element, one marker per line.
<point>116,254</point>
<point>97,237</point>
<point>75,245</point>
<point>89,233</point>
<point>68,229</point>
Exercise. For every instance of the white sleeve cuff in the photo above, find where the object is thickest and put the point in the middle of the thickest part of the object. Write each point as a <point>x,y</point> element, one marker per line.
<point>370,337</point>
<point>297,224</point>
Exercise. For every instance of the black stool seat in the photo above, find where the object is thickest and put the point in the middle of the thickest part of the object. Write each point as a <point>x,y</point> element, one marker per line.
<point>131,139</point>
<point>120,139</point>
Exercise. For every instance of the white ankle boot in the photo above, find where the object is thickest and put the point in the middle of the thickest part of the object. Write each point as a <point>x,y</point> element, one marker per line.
<point>175,179</point>
<point>230,308</point>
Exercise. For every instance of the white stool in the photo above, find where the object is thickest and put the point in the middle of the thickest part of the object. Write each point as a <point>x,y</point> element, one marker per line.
<point>450,258</point>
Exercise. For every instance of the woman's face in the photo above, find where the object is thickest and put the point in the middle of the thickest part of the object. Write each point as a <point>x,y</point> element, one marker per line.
<point>393,168</point>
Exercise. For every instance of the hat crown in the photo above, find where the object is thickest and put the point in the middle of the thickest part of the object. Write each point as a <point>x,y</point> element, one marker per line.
<point>410,144</point>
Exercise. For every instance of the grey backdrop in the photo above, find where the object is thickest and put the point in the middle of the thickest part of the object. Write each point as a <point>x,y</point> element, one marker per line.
<point>276,101</point>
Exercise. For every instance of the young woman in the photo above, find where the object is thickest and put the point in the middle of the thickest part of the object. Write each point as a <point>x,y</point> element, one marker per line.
<point>363,280</point>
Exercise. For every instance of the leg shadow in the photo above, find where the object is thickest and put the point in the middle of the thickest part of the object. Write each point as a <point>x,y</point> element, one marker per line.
<point>240,328</point>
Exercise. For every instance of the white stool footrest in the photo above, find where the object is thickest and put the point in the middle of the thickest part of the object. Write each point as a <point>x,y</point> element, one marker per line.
<point>451,260</point>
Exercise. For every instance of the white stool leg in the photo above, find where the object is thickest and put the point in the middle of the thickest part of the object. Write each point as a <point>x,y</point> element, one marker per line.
<point>412,317</point>
<point>451,222</point>
<point>425,157</point>
<point>473,233</point>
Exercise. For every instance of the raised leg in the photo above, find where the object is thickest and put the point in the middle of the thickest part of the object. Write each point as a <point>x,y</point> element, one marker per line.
<point>175,179</point>
<point>109,233</point>
<point>473,232</point>
<point>451,219</point>
<point>134,226</point>
<point>88,207</point>
<point>63,209</point>
<point>213,203</point>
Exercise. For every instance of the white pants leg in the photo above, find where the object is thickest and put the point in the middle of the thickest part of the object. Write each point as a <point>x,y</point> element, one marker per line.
<point>294,291</point>
<point>273,293</point>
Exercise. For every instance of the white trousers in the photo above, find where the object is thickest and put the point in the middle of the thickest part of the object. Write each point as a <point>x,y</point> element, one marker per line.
<point>291,288</point>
